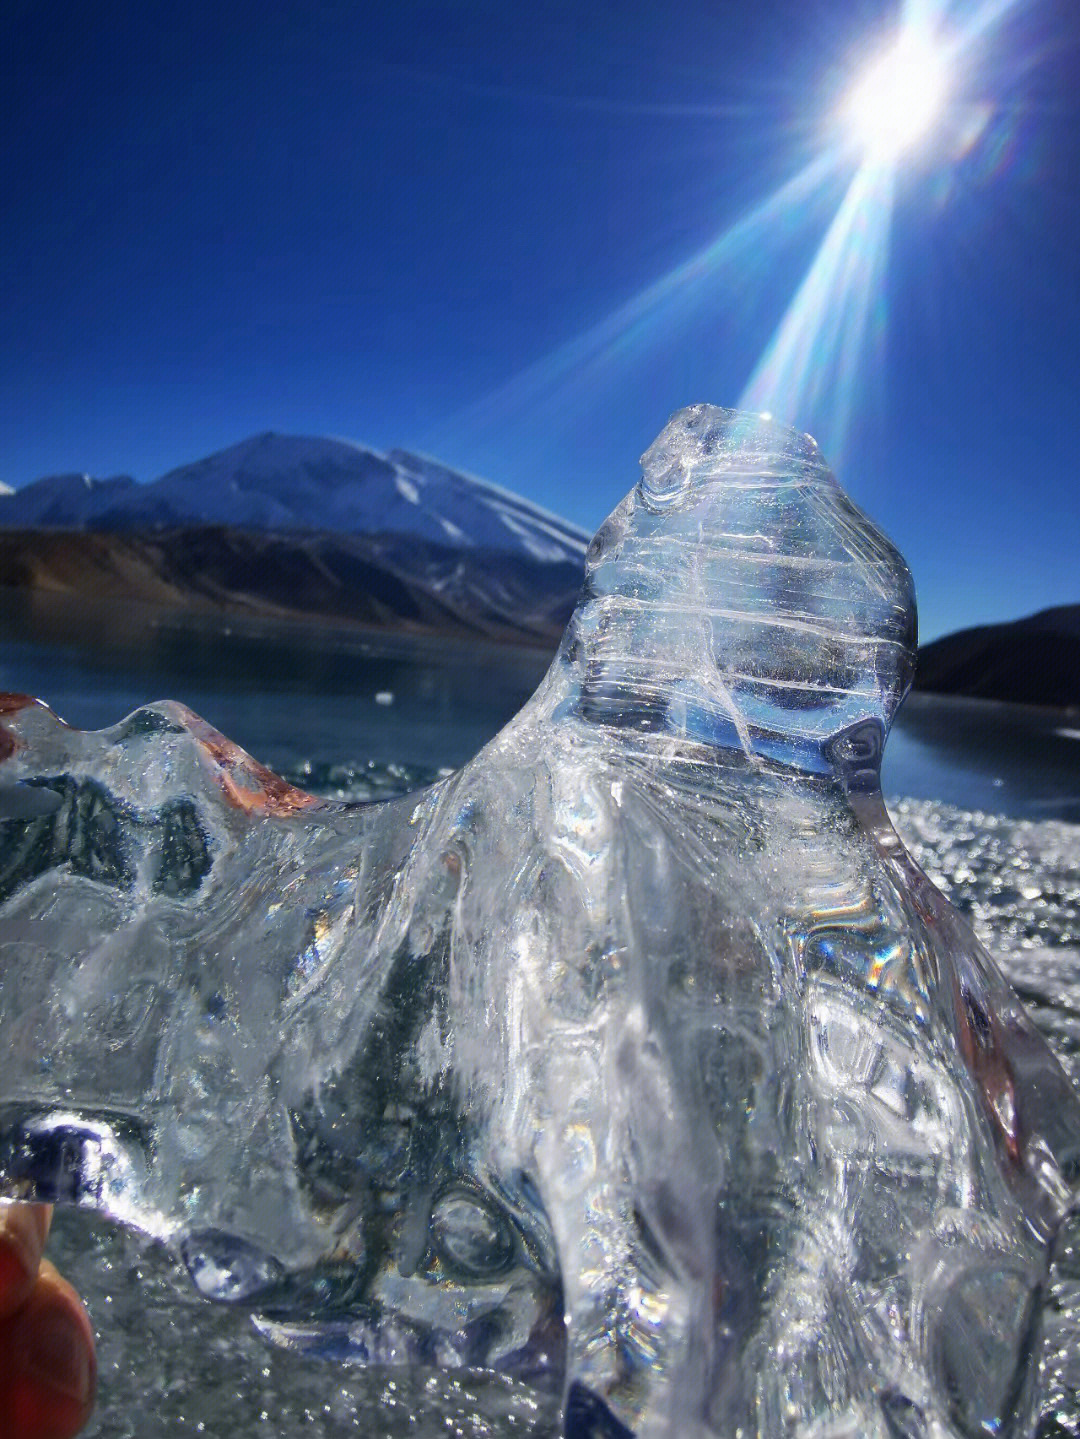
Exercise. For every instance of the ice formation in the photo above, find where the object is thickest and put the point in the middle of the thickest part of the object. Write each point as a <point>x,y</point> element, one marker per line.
<point>637,1058</point>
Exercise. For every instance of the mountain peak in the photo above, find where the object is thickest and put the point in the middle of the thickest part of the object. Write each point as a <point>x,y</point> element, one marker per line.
<point>306,484</point>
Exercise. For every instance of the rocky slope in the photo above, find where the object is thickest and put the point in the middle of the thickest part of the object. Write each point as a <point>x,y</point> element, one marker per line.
<point>287,525</point>
<point>375,581</point>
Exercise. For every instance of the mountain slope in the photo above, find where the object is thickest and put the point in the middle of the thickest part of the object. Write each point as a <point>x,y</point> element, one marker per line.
<point>1033,661</point>
<point>380,582</point>
<point>322,528</point>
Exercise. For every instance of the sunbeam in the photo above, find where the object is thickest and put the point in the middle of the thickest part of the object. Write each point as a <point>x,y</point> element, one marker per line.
<point>630,332</point>
<point>827,346</point>
<point>816,358</point>
<point>824,347</point>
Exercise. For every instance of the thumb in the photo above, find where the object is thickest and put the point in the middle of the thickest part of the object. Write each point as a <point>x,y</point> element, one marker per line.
<point>23,1231</point>
<point>47,1367</point>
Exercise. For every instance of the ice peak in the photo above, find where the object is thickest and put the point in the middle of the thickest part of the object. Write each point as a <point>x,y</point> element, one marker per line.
<point>737,596</point>
<point>709,441</point>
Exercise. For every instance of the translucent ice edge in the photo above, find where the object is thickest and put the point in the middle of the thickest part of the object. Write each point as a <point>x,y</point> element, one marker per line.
<point>636,1059</point>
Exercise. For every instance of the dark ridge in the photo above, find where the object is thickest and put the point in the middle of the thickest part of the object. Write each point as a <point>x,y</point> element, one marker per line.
<point>1032,661</point>
<point>382,582</point>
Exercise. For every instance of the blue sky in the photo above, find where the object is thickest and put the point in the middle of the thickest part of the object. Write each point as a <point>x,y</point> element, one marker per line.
<point>518,237</point>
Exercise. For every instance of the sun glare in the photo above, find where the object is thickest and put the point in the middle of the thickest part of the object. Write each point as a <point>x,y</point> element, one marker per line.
<point>826,349</point>
<point>898,99</point>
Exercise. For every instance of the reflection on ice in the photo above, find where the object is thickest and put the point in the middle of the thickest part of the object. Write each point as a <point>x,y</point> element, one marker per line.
<point>636,1060</point>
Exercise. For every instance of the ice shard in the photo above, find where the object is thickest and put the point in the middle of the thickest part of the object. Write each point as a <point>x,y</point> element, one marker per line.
<point>636,1059</point>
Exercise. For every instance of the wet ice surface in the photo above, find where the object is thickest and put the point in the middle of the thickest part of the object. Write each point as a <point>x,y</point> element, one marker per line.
<point>643,1019</point>
<point>174,1365</point>
<point>1019,883</point>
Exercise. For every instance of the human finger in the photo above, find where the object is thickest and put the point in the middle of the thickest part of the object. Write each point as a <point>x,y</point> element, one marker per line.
<point>23,1231</point>
<point>48,1372</point>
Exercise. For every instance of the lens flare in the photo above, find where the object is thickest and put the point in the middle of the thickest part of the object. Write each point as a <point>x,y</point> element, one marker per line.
<point>816,364</point>
<point>899,98</point>
<point>826,352</point>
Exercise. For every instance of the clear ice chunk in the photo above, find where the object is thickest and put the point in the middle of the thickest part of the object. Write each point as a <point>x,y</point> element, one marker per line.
<point>636,1059</point>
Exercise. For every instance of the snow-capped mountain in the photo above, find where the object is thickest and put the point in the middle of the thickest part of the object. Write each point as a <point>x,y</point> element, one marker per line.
<point>318,528</point>
<point>62,501</point>
<point>286,483</point>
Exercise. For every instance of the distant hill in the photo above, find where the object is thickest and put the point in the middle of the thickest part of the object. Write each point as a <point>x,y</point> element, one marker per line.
<point>1033,661</point>
<point>320,527</point>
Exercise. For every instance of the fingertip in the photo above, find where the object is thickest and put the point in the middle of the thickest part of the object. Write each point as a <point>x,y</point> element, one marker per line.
<point>47,1382</point>
<point>32,1410</point>
<point>59,1301</point>
<point>23,1231</point>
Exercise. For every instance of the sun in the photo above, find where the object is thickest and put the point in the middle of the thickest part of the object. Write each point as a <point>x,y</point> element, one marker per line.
<point>898,99</point>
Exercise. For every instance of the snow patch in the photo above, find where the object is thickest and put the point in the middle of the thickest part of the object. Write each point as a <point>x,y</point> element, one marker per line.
<point>529,540</point>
